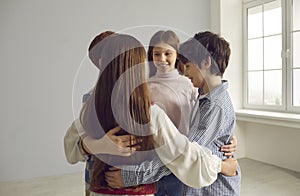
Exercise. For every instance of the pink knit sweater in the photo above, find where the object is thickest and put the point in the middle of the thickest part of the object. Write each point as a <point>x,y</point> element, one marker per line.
<point>175,94</point>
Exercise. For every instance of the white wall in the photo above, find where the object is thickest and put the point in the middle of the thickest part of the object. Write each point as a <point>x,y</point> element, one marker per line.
<point>275,145</point>
<point>42,46</point>
<point>226,19</point>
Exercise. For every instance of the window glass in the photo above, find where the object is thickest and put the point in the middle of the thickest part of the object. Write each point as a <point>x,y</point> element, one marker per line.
<point>296,49</point>
<point>255,87</point>
<point>255,54</point>
<point>272,18</point>
<point>272,52</point>
<point>296,15</point>
<point>296,87</point>
<point>273,87</point>
<point>273,73</point>
<point>255,26</point>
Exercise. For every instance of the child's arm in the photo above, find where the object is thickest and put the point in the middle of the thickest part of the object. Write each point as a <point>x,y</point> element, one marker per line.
<point>194,165</point>
<point>145,173</point>
<point>72,140</point>
<point>212,125</point>
<point>110,144</point>
<point>230,148</point>
<point>74,151</point>
<point>148,172</point>
<point>78,145</point>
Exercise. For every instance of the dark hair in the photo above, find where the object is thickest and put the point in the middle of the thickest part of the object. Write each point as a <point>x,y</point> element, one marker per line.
<point>167,37</point>
<point>95,48</point>
<point>203,45</point>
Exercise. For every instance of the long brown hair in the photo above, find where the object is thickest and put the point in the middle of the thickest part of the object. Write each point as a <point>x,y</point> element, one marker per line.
<point>121,95</point>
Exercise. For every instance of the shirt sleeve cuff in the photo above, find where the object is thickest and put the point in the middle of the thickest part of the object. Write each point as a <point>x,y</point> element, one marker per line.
<point>129,175</point>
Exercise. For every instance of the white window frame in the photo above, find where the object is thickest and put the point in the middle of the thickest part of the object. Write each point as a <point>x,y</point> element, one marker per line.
<point>286,55</point>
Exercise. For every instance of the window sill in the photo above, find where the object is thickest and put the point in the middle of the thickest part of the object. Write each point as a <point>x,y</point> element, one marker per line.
<point>269,118</point>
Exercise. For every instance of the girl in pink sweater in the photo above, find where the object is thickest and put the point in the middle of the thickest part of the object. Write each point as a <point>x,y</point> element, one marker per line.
<point>173,92</point>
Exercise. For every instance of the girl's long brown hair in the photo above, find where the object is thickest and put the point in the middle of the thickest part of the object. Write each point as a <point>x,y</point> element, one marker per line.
<point>121,85</point>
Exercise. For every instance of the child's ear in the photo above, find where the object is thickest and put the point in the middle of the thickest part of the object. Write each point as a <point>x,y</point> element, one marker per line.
<point>207,62</point>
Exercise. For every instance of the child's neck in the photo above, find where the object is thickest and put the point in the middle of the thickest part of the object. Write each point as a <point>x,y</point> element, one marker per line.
<point>166,71</point>
<point>211,83</point>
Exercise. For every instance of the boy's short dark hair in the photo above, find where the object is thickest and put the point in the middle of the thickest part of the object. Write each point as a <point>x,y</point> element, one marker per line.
<point>95,50</point>
<point>203,45</point>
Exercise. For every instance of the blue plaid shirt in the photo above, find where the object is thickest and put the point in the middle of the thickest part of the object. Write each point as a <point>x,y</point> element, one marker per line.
<point>212,123</point>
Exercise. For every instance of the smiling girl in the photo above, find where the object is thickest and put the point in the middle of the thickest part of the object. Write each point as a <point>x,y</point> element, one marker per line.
<point>173,92</point>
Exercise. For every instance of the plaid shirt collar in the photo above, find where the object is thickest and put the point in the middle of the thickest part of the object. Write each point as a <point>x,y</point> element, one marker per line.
<point>214,93</point>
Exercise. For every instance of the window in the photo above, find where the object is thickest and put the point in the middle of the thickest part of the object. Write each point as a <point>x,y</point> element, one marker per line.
<point>272,66</point>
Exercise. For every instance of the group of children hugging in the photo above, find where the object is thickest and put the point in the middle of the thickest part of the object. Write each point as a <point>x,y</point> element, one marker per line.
<point>159,122</point>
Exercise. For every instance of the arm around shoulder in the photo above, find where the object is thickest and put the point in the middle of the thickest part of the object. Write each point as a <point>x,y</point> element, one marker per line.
<point>193,164</point>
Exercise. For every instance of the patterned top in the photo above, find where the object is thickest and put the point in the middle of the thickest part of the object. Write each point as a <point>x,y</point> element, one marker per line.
<point>212,124</point>
<point>191,163</point>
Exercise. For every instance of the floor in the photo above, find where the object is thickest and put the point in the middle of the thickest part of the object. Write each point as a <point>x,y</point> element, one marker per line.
<point>257,179</point>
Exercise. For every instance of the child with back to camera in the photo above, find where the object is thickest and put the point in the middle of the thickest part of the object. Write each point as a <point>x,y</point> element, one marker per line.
<point>73,139</point>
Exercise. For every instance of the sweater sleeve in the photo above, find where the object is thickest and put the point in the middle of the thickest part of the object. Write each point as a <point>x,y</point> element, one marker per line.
<point>72,149</point>
<point>193,164</point>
